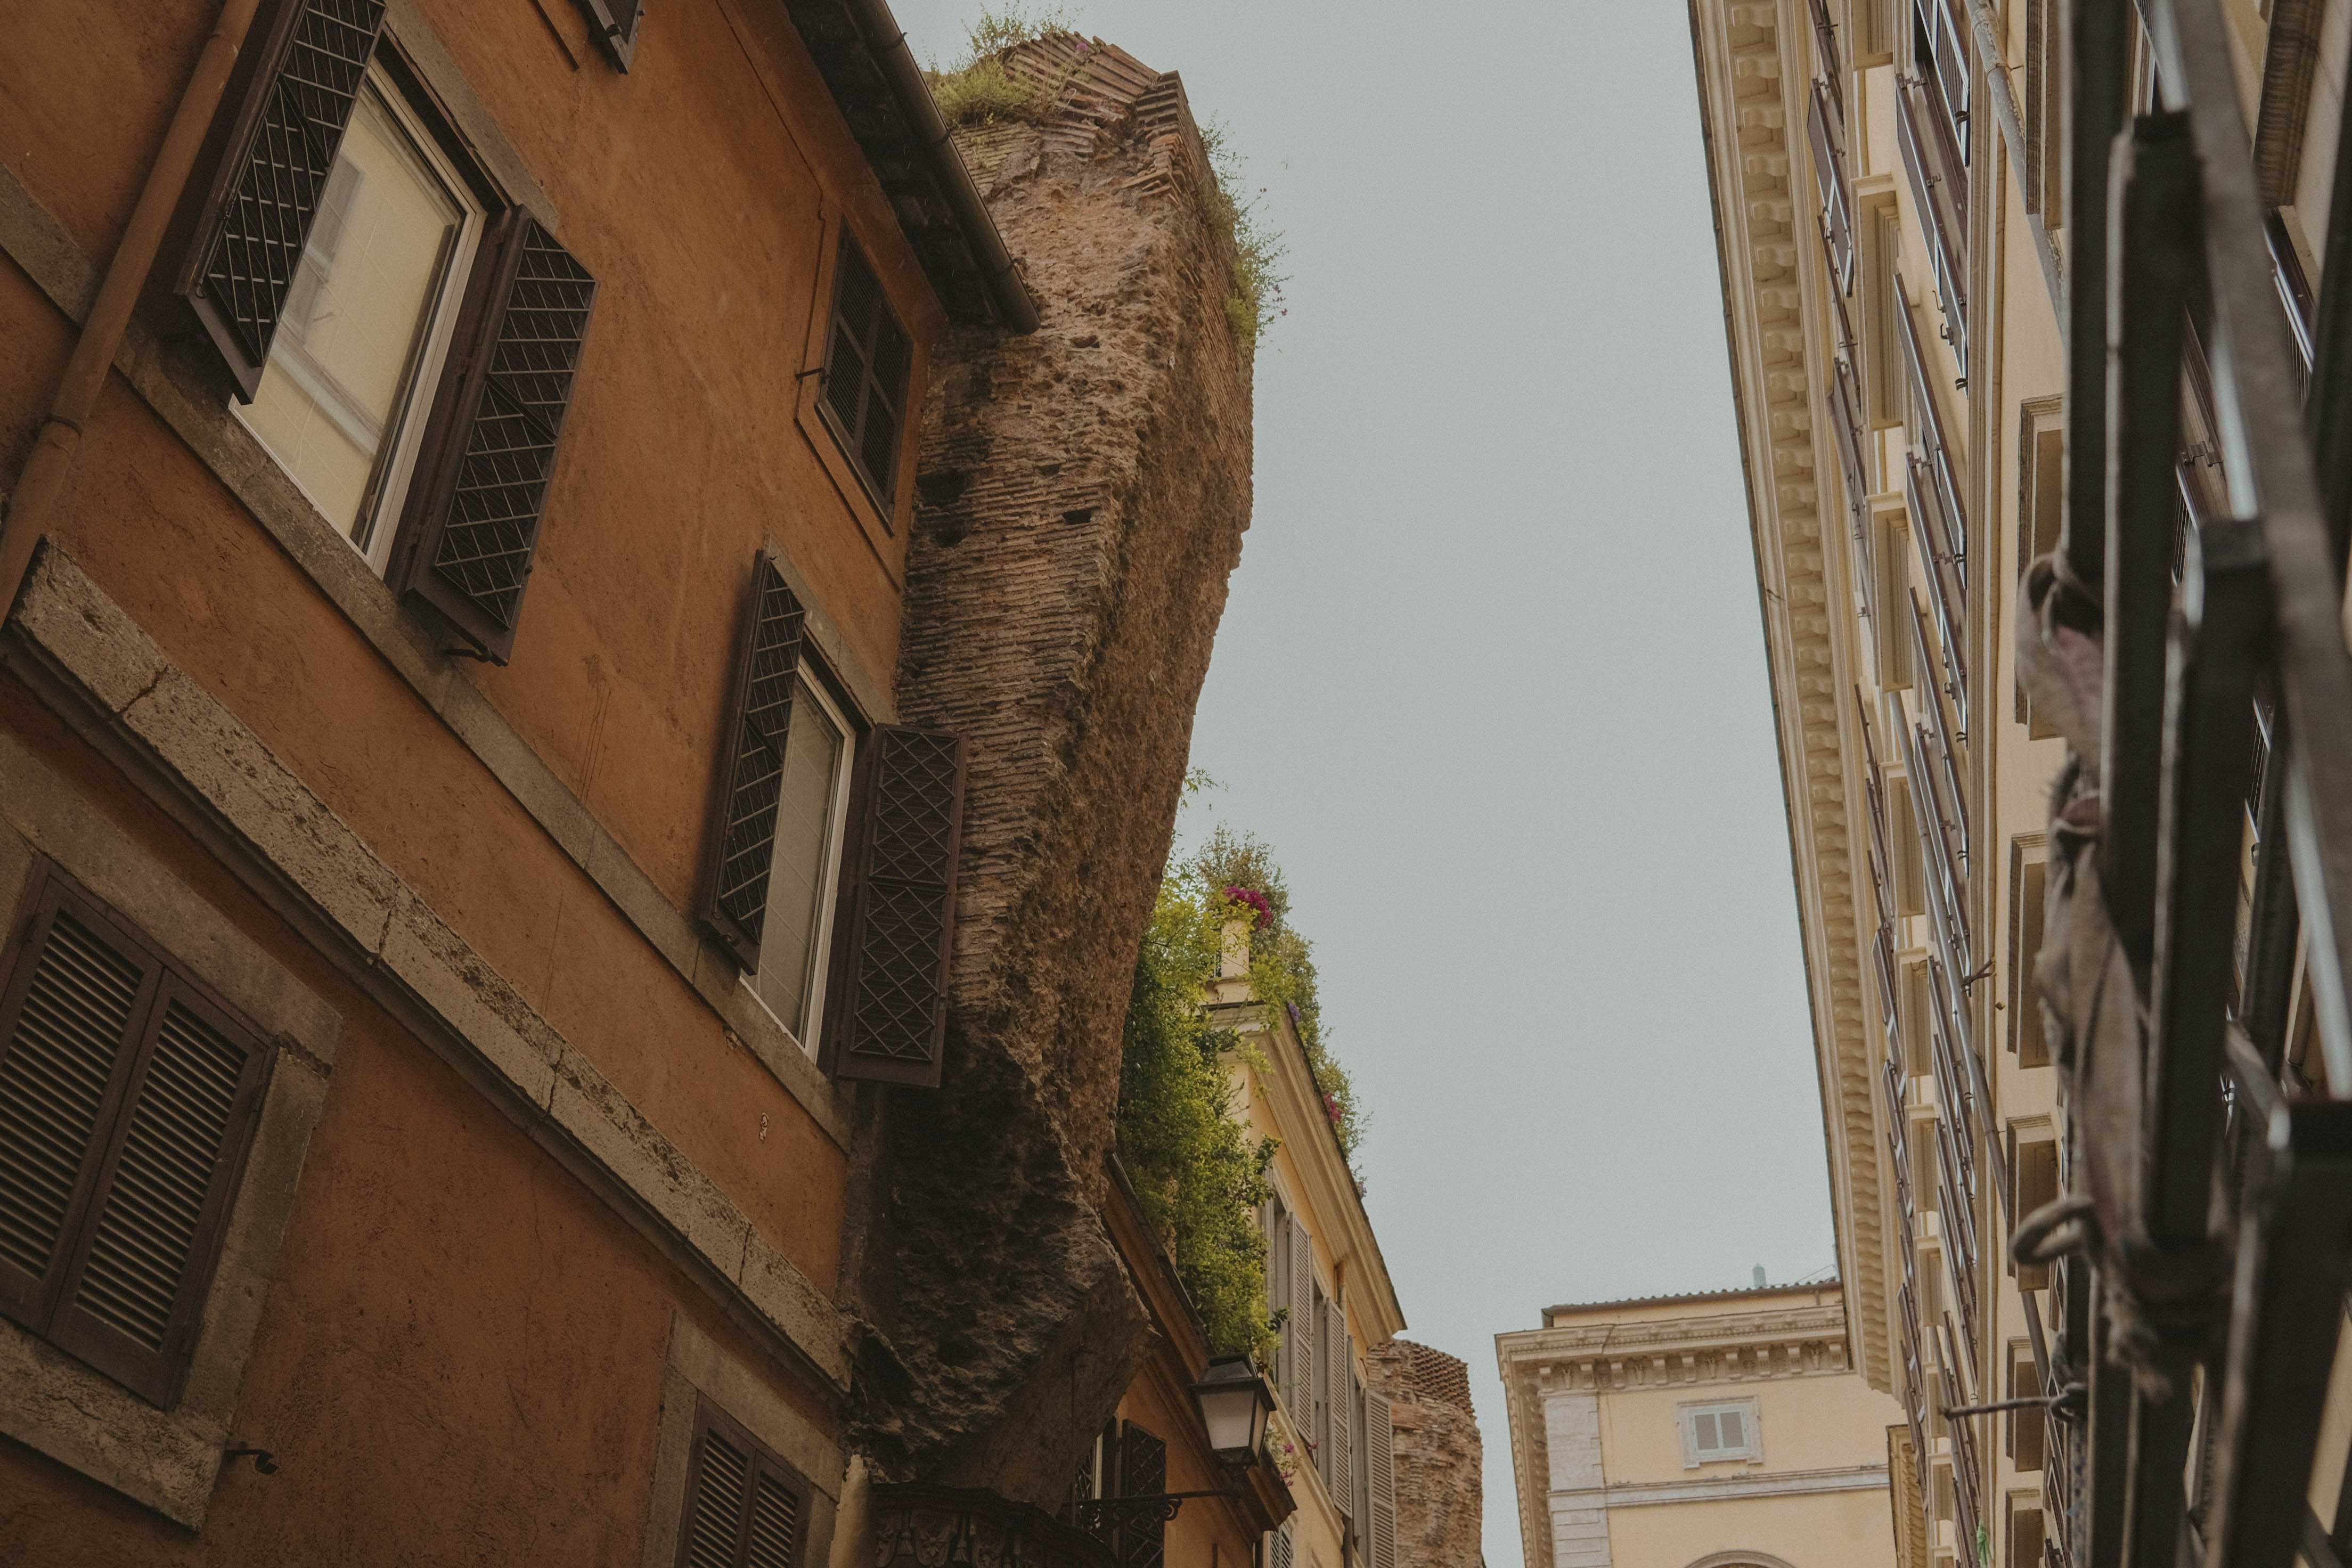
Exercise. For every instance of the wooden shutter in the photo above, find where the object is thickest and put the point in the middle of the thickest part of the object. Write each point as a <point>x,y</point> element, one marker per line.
<point>1278,1550</point>
<point>1379,1440</point>
<point>890,1021</point>
<point>1300,1395</point>
<point>733,904</point>
<point>744,1507</point>
<point>1141,1541</point>
<point>269,154</point>
<point>615,24</point>
<point>473,515</point>
<point>128,1100</point>
<point>1342,1474</point>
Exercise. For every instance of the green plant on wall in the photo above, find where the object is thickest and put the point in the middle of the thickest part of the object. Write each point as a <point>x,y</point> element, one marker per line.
<point>1281,969</point>
<point>979,90</point>
<point>1198,1174</point>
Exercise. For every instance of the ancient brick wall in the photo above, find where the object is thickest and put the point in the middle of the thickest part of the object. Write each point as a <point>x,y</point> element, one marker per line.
<point>1438,1454</point>
<point>1082,496</point>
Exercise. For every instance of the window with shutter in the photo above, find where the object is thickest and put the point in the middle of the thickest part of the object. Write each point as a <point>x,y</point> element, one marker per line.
<point>614,24</point>
<point>888,1021</point>
<point>1278,1550</point>
<point>1299,1393</point>
<point>275,148</point>
<point>128,1099</point>
<point>868,363</point>
<point>473,517</point>
<point>1341,1472</point>
<point>1140,1540</point>
<point>740,843</point>
<point>1379,1445</point>
<point>745,1508</point>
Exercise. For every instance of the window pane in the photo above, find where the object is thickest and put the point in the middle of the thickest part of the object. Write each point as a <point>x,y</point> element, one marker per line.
<point>331,398</point>
<point>1703,1431</point>
<point>797,883</point>
<point>1735,1430</point>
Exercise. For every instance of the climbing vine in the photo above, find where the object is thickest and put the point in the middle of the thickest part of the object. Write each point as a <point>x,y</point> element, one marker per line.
<point>1197,1173</point>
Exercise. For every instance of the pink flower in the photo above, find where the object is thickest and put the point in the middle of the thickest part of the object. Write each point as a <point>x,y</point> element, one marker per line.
<point>1255,900</point>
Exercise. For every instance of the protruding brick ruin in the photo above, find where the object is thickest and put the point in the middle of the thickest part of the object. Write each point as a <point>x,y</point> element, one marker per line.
<point>1083,494</point>
<point>1438,1453</point>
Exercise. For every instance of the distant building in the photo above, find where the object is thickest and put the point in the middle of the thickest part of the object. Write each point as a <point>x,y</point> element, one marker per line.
<point>1725,1430</point>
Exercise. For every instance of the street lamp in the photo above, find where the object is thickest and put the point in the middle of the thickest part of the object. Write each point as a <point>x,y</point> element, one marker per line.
<point>1234,1403</point>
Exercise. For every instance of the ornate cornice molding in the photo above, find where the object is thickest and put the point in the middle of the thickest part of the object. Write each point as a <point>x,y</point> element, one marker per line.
<point>1750,91</point>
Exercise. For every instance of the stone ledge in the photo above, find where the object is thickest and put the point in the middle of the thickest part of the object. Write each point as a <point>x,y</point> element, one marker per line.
<point>91,662</point>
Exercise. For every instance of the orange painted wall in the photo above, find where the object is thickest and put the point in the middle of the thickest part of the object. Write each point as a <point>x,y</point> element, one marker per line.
<point>449,1298</point>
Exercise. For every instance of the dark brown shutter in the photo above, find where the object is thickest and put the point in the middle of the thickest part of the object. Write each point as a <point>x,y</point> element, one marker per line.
<point>473,515</point>
<point>866,367</point>
<point>1141,1541</point>
<point>890,1013</point>
<point>272,151</point>
<point>733,906</point>
<point>121,1074</point>
<point>614,24</point>
<point>744,1507</point>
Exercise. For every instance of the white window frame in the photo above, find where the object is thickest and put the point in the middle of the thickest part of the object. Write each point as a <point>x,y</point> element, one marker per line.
<point>1685,1420</point>
<point>810,678</point>
<point>396,463</point>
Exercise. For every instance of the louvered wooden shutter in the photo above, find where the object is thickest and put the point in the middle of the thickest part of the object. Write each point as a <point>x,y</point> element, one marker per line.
<point>744,1507</point>
<point>1341,1472</point>
<point>270,155</point>
<point>615,24</point>
<point>1380,1439</point>
<point>890,1021</point>
<point>473,515</point>
<point>128,1099</point>
<point>1300,1395</point>
<point>1141,1541</point>
<point>733,905</point>
<point>1278,1546</point>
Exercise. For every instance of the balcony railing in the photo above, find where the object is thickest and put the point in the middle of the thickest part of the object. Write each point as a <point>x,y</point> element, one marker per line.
<point>1824,129</point>
<point>1933,445</point>
<point>1940,191</point>
<point>1825,47</point>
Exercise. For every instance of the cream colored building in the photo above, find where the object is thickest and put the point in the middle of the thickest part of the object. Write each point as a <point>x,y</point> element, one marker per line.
<point>1331,1434</point>
<point>1911,200</point>
<point>1698,1432</point>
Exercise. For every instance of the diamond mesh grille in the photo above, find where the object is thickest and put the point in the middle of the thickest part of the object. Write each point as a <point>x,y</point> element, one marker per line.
<point>492,526</point>
<point>748,839</point>
<point>264,223</point>
<point>908,864</point>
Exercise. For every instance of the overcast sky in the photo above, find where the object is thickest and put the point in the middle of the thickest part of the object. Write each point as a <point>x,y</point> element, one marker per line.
<point>1491,679</point>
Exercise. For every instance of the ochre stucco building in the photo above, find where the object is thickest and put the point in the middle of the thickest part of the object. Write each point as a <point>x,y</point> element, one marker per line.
<point>588,718</point>
<point>1723,1430</point>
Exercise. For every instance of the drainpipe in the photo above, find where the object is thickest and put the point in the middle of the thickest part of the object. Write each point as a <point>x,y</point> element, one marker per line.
<point>883,35</point>
<point>43,478</point>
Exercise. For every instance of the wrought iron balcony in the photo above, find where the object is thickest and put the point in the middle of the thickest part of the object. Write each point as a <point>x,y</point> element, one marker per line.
<point>921,1526</point>
<point>1939,189</point>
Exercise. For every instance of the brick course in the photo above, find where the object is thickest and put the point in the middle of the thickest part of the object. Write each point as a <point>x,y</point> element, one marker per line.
<point>1438,1453</point>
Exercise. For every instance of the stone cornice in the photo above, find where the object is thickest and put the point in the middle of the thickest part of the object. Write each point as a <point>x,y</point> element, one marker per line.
<point>1751,85</point>
<point>1725,1489</point>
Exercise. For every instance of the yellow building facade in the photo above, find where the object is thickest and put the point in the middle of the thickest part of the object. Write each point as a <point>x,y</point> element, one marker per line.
<point>1945,373</point>
<point>1698,1432</point>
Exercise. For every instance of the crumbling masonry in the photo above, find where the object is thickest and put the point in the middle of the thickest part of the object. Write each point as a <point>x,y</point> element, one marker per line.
<point>1437,1454</point>
<point>1083,492</point>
